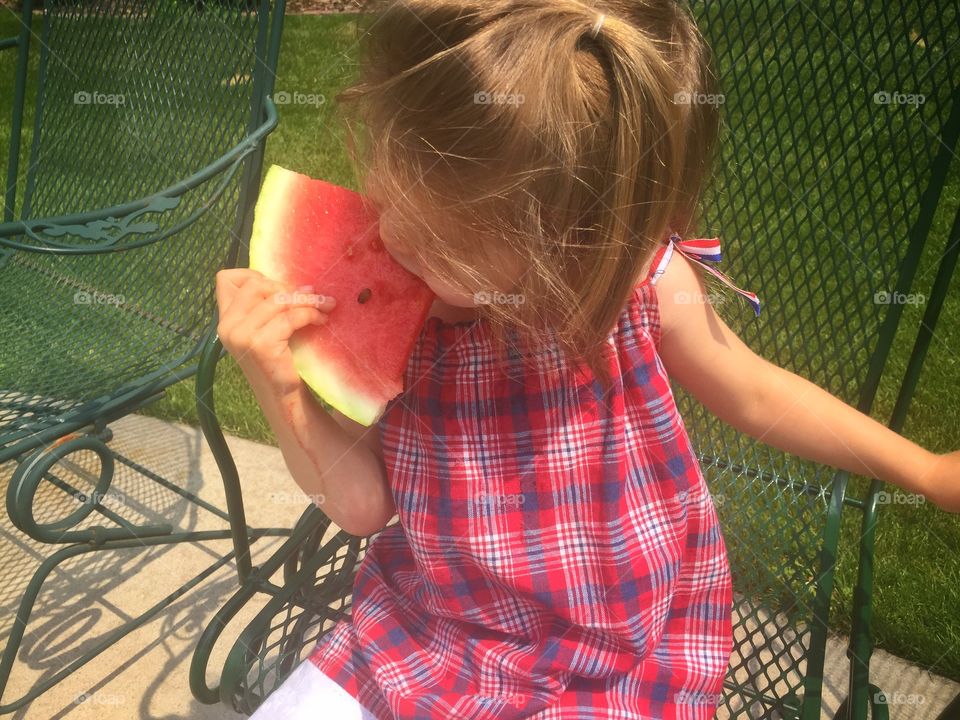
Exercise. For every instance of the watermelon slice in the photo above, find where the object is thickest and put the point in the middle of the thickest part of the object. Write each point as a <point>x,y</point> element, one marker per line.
<point>310,232</point>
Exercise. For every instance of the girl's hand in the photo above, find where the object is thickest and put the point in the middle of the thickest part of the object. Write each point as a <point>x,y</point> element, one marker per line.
<point>257,318</point>
<point>943,485</point>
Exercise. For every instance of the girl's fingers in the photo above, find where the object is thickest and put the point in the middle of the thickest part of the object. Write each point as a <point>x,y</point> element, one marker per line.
<point>250,294</point>
<point>281,326</point>
<point>248,323</point>
<point>304,296</point>
<point>238,292</point>
<point>269,307</point>
<point>257,300</point>
<point>256,290</point>
<point>229,281</point>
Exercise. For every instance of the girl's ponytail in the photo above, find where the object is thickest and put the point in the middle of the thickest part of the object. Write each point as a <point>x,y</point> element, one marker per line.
<point>643,172</point>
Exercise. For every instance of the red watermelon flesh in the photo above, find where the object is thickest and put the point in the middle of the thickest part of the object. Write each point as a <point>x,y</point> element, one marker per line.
<point>311,232</point>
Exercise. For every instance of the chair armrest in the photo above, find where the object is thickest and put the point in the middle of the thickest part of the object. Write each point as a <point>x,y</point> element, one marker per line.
<point>108,226</point>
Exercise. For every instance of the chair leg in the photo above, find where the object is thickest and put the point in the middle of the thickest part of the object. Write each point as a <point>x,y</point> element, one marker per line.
<point>257,582</point>
<point>310,602</point>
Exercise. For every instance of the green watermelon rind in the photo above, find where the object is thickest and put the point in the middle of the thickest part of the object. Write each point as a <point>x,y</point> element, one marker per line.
<point>318,373</point>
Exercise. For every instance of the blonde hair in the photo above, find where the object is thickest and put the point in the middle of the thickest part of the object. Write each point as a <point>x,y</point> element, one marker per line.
<point>511,129</point>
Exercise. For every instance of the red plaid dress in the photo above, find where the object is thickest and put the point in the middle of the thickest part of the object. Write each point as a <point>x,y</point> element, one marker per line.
<point>558,555</point>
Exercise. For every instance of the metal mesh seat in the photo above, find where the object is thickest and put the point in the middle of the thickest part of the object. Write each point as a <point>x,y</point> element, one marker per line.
<point>134,98</point>
<point>136,149</point>
<point>827,185</point>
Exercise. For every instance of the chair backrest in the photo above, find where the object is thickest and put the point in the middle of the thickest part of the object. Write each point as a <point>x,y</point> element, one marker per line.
<point>131,98</point>
<point>840,119</point>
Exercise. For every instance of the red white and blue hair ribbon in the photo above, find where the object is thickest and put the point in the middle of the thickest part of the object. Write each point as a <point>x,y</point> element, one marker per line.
<point>701,250</point>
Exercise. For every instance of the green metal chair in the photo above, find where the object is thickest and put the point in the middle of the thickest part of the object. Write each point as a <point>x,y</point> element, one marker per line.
<point>826,190</point>
<point>825,193</point>
<point>135,157</point>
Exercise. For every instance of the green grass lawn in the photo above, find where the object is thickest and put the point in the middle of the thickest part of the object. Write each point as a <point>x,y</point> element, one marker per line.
<point>917,574</point>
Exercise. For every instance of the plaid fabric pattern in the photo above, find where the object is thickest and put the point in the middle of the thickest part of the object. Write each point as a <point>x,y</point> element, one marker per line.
<point>558,556</point>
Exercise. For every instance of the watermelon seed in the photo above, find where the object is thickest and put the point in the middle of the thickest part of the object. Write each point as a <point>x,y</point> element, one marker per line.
<point>364,295</point>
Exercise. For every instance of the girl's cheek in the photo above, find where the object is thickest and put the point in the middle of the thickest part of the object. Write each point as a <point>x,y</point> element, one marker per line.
<point>409,262</point>
<point>447,294</point>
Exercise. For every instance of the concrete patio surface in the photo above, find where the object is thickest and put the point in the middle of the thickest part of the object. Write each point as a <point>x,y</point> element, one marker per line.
<point>145,676</point>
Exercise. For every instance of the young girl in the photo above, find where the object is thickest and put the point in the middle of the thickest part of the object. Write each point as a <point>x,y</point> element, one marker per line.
<point>558,554</point>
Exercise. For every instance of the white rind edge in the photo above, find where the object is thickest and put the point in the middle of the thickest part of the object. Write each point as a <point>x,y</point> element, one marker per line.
<point>274,189</point>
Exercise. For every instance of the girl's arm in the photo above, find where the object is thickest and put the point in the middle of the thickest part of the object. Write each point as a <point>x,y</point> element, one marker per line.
<point>339,469</point>
<point>780,408</point>
<point>336,462</point>
<point>367,436</point>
